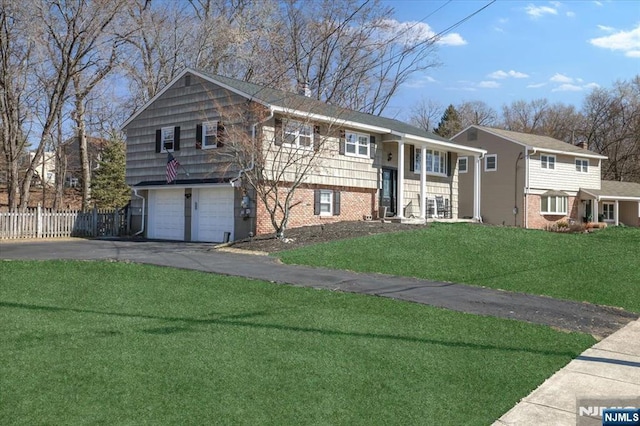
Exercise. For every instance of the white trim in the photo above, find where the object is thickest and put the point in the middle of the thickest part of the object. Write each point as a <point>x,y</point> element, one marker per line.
<point>177,186</point>
<point>330,212</point>
<point>173,140</point>
<point>356,144</point>
<point>550,161</point>
<point>582,160</point>
<point>486,157</point>
<point>555,212</point>
<point>466,164</point>
<point>205,126</point>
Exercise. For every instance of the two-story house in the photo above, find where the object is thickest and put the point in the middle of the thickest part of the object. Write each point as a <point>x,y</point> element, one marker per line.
<point>369,166</point>
<point>535,181</point>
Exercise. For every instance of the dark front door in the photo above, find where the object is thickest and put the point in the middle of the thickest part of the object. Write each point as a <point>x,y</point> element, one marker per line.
<point>389,191</point>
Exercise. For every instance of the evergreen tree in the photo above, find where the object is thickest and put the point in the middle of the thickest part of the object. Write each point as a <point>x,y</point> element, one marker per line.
<point>450,123</point>
<point>108,186</point>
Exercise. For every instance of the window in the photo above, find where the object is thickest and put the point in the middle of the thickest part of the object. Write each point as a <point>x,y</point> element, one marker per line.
<point>582,166</point>
<point>607,211</point>
<point>326,202</point>
<point>491,163</point>
<point>357,144</point>
<point>436,162</point>
<point>210,134</point>
<point>554,204</point>
<point>297,134</point>
<point>463,164</point>
<point>548,161</point>
<point>167,139</point>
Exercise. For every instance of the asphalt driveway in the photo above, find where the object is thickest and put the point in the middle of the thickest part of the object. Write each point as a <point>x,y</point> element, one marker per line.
<point>568,315</point>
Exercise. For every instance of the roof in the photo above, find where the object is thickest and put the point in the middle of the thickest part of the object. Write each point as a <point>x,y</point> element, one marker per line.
<point>293,103</point>
<point>612,189</point>
<point>542,143</point>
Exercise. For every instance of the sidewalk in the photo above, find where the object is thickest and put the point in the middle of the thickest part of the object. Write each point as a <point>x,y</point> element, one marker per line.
<point>610,370</point>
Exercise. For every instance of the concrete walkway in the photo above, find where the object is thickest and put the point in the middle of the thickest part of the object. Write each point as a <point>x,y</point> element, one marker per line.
<point>611,368</point>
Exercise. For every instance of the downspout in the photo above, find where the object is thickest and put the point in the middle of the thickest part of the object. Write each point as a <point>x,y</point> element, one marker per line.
<point>135,192</point>
<point>526,184</point>
<point>515,191</point>
<point>253,153</point>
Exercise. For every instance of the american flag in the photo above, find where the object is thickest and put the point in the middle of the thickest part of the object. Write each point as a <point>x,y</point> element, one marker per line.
<point>172,168</point>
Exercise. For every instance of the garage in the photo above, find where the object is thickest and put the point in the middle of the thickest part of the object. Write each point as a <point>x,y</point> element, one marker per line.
<point>166,214</point>
<point>212,214</point>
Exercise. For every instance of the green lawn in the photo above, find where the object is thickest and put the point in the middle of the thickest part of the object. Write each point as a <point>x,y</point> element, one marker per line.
<point>120,343</point>
<point>602,267</point>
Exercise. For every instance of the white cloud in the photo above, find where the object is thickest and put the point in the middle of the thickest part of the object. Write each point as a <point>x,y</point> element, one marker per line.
<point>536,85</point>
<point>561,78</point>
<point>591,86</point>
<point>498,75</point>
<point>567,88</point>
<point>625,41</point>
<point>539,11</point>
<point>421,82</point>
<point>555,3</point>
<point>489,84</point>
<point>605,28</point>
<point>411,32</point>
<point>453,39</point>
<point>597,3</point>
<point>571,14</point>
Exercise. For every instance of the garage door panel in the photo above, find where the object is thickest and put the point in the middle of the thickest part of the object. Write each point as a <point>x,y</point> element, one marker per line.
<point>214,214</point>
<point>166,215</point>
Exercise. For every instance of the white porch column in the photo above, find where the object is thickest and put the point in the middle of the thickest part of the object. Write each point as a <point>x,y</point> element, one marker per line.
<point>400,206</point>
<point>595,211</point>
<point>423,183</point>
<point>616,213</point>
<point>476,188</point>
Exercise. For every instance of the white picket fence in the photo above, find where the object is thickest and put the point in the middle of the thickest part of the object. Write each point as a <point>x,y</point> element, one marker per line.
<point>48,223</point>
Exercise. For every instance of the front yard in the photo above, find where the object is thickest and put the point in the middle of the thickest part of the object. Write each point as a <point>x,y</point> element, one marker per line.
<point>120,343</point>
<point>601,267</point>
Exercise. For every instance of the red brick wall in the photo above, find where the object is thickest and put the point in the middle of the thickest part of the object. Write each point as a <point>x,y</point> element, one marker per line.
<point>355,203</point>
<point>539,221</point>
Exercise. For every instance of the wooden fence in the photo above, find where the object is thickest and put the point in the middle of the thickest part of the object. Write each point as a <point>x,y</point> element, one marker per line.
<point>48,223</point>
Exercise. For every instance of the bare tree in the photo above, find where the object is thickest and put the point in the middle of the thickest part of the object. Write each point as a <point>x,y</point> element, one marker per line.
<point>612,128</point>
<point>16,94</point>
<point>425,114</point>
<point>525,117</point>
<point>69,35</point>
<point>476,112</point>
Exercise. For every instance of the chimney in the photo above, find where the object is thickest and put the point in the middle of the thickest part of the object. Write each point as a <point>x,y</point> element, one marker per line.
<point>582,145</point>
<point>304,89</point>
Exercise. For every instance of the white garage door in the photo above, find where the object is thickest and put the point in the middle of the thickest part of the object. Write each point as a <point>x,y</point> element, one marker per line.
<point>166,214</point>
<point>212,214</point>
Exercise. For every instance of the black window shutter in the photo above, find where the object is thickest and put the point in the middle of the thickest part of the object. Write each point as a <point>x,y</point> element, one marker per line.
<point>159,140</point>
<point>316,202</point>
<point>316,138</point>
<point>278,132</point>
<point>176,138</point>
<point>199,136</point>
<point>342,142</point>
<point>412,158</point>
<point>372,147</point>
<point>449,171</point>
<point>220,135</point>
<point>336,203</point>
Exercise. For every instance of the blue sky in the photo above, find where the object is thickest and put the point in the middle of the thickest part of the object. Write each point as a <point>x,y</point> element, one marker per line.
<point>526,50</point>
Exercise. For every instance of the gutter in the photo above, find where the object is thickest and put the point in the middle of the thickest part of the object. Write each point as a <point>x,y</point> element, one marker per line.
<point>135,192</point>
<point>253,153</point>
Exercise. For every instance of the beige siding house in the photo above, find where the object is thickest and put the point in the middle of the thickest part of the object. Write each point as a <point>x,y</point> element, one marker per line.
<point>535,181</point>
<point>365,167</point>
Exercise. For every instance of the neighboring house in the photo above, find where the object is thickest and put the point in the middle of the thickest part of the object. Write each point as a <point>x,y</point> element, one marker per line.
<point>45,168</point>
<point>371,165</point>
<point>535,181</point>
<point>71,155</point>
